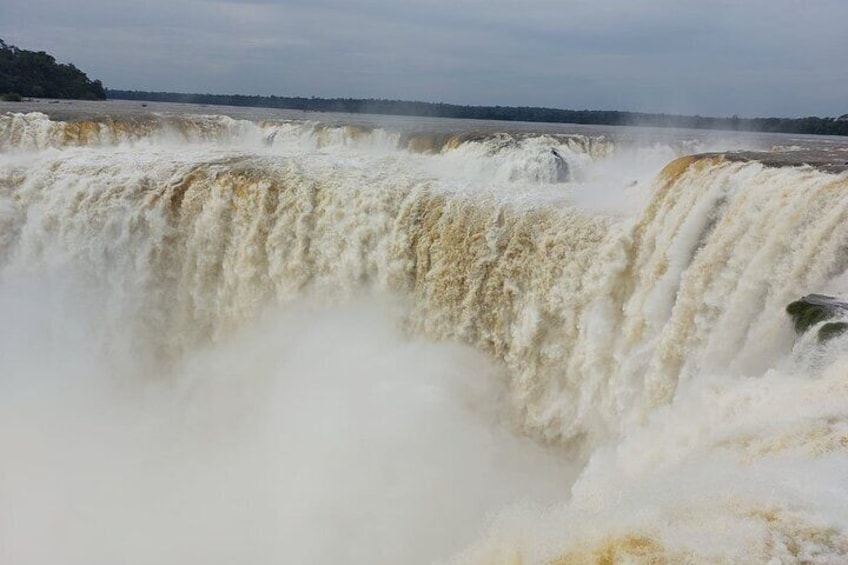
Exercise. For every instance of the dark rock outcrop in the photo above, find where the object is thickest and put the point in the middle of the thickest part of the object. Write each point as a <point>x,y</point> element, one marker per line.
<point>816,308</point>
<point>563,174</point>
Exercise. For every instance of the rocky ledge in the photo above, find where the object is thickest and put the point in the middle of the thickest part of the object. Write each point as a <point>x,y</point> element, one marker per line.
<point>826,160</point>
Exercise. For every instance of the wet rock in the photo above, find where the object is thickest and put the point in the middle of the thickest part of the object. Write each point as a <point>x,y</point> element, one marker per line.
<point>816,308</point>
<point>563,174</point>
<point>831,330</point>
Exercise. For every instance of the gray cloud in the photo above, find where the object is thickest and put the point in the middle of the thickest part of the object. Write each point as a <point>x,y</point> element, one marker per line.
<point>759,57</point>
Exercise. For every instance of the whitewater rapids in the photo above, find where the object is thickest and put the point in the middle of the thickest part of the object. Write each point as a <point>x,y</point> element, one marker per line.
<point>262,339</point>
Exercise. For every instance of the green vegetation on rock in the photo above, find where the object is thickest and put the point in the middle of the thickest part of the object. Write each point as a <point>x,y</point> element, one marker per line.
<point>831,330</point>
<point>816,308</point>
<point>38,75</point>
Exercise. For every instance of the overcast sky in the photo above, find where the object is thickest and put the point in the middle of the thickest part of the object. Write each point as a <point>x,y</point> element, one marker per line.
<point>708,57</point>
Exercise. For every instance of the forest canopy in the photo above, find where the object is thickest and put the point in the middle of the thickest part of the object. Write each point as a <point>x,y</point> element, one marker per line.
<point>38,75</point>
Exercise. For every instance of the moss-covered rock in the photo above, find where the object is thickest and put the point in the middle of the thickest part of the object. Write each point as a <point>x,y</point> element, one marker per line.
<point>831,330</point>
<point>816,308</point>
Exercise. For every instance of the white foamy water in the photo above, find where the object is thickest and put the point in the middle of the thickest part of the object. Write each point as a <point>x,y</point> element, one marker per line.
<point>231,340</point>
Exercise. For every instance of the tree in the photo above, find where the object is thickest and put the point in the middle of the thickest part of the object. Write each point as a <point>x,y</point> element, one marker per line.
<point>38,75</point>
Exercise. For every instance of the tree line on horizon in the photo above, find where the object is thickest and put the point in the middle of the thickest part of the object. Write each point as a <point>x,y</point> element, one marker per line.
<point>808,125</point>
<point>35,74</point>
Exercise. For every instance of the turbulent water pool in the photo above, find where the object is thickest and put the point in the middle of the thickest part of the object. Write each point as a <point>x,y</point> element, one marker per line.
<point>257,336</point>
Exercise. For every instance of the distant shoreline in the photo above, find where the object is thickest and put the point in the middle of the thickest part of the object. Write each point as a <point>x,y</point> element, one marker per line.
<point>809,125</point>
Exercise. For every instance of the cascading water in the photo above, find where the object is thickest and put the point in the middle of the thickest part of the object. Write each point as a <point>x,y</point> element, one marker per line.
<point>285,340</point>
